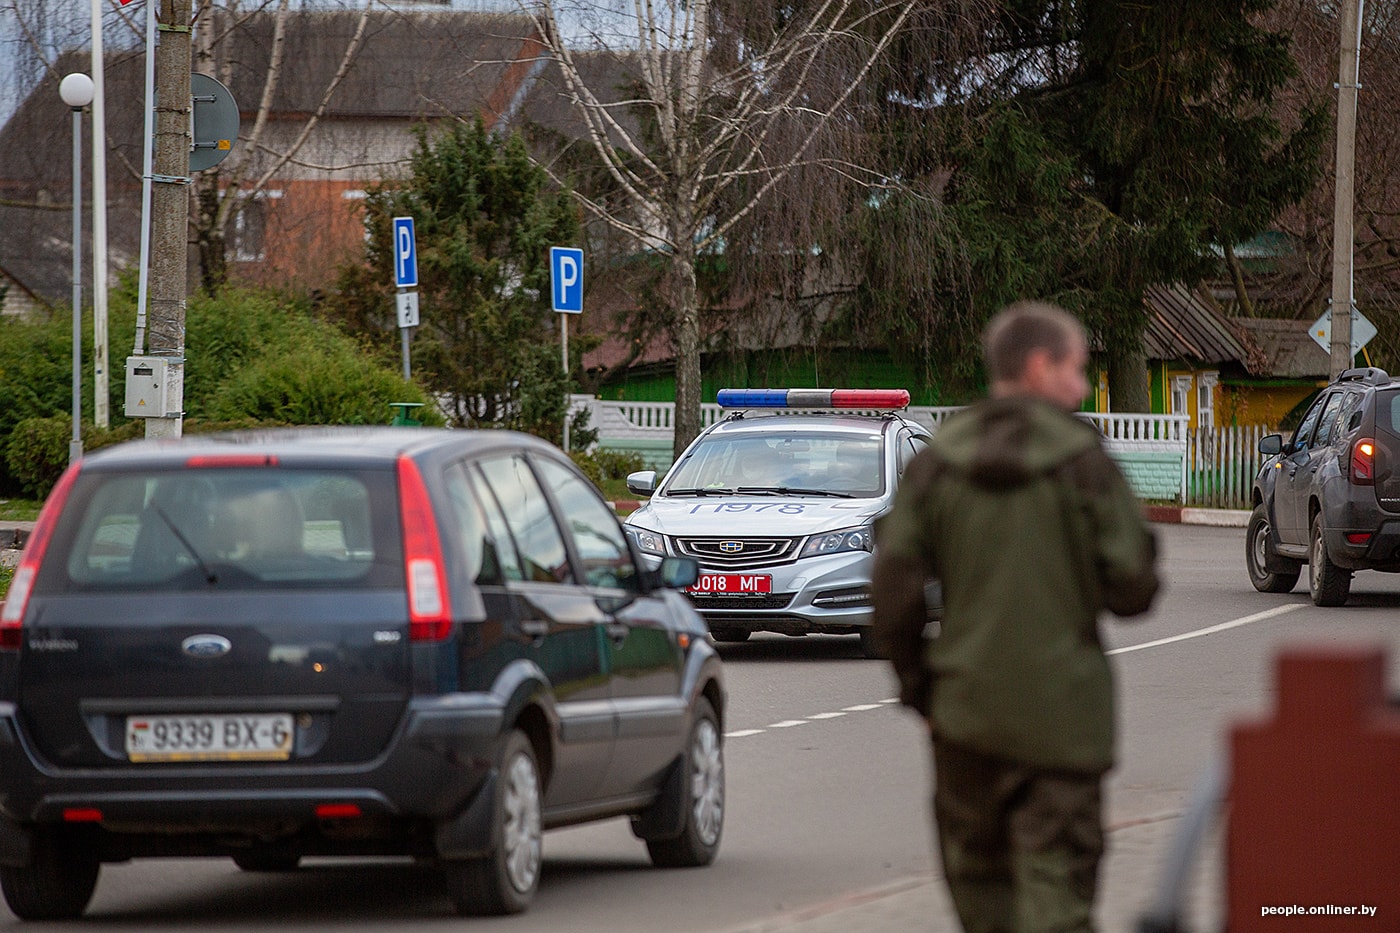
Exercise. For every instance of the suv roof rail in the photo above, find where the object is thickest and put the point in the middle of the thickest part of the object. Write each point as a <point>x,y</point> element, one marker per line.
<point>1368,375</point>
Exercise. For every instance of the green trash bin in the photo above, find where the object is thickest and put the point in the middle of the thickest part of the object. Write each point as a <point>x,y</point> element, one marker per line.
<point>401,417</point>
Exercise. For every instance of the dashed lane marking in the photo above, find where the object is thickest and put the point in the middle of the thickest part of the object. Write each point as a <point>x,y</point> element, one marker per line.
<point>742,733</point>
<point>826,715</point>
<point>815,717</point>
<point>787,724</point>
<point>860,708</point>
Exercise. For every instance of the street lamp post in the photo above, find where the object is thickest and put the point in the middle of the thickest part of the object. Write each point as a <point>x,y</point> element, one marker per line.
<point>77,91</point>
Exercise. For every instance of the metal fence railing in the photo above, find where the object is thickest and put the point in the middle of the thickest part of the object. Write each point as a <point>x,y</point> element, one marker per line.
<point>1221,465</point>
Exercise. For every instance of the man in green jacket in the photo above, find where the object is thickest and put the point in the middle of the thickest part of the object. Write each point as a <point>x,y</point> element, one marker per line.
<point>1033,531</point>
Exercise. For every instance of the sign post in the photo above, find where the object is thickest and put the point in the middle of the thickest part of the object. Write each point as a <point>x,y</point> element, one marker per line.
<point>566,297</point>
<point>406,278</point>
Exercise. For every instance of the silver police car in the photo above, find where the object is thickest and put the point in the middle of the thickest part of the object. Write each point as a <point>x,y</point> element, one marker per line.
<point>777,502</point>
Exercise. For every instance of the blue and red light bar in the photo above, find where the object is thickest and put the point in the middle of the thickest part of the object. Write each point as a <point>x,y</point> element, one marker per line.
<point>865,399</point>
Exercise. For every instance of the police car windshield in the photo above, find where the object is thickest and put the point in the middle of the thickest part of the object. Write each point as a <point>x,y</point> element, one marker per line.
<point>797,463</point>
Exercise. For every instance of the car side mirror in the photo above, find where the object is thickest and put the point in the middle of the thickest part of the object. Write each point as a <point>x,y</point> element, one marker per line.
<point>678,572</point>
<point>641,483</point>
<point>1271,444</point>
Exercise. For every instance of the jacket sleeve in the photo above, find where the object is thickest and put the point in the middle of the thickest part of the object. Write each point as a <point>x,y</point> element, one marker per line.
<point>904,560</point>
<point>1125,550</point>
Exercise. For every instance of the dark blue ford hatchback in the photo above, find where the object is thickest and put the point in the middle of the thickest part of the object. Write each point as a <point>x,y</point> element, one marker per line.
<point>343,641</point>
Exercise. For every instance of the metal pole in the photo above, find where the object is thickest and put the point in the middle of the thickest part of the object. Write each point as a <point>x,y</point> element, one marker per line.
<point>564,346</point>
<point>99,224</point>
<point>1348,83</point>
<point>75,445</point>
<point>403,339</point>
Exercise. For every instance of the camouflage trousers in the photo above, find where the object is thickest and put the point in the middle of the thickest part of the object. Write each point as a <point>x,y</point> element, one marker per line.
<point>1020,845</point>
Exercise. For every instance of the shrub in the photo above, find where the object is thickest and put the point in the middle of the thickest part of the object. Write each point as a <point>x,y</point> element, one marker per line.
<point>37,451</point>
<point>600,465</point>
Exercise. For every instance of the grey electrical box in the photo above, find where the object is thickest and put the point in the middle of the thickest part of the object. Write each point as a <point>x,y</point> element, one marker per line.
<point>145,386</point>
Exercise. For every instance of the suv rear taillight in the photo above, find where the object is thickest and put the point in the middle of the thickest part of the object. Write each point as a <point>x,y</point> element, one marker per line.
<point>12,615</point>
<point>1363,462</point>
<point>429,609</point>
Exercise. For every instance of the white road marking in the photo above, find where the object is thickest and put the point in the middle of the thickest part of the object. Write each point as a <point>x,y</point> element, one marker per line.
<point>889,701</point>
<point>1211,630</point>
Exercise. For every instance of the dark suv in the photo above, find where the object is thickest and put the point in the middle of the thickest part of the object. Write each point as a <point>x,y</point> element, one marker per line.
<point>344,642</point>
<point>1330,496</point>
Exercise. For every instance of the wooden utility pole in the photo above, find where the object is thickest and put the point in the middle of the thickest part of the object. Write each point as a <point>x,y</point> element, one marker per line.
<point>1343,233</point>
<point>170,207</point>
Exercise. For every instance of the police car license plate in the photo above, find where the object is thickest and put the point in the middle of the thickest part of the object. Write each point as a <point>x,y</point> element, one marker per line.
<point>734,584</point>
<point>204,737</point>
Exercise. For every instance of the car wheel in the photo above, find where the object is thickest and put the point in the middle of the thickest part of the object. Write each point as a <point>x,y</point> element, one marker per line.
<point>726,633</point>
<point>702,797</point>
<point>1256,553</point>
<point>249,861</point>
<point>869,646</point>
<point>505,881</point>
<point>56,885</point>
<point>1329,584</point>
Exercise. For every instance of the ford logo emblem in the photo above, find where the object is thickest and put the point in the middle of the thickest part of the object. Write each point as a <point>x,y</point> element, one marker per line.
<point>731,547</point>
<point>206,646</point>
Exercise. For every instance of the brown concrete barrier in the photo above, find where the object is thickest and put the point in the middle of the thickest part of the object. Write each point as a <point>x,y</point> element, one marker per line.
<point>1313,839</point>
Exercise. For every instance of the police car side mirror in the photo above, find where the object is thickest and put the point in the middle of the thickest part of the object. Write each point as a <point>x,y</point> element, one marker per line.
<point>1271,444</point>
<point>678,572</point>
<point>641,483</point>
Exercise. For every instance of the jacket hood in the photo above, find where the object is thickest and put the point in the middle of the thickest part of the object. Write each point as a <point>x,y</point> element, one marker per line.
<point>1004,442</point>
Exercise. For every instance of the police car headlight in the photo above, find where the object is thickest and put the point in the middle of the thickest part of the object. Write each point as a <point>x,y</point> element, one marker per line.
<point>838,542</point>
<point>648,542</point>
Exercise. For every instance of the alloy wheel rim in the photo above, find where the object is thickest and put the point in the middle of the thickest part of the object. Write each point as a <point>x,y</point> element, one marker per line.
<point>1315,564</point>
<point>1261,535</point>
<point>707,782</point>
<point>521,832</point>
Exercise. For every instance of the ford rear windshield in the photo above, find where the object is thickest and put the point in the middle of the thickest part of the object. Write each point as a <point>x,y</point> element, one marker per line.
<point>227,528</point>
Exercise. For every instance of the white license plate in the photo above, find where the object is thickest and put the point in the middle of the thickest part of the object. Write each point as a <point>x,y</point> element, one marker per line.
<point>210,737</point>
<point>732,584</point>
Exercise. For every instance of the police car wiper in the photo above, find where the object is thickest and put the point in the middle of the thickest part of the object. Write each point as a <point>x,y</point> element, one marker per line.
<point>791,491</point>
<point>712,491</point>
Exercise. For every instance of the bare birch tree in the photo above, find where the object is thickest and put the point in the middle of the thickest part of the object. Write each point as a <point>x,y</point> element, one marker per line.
<point>728,100</point>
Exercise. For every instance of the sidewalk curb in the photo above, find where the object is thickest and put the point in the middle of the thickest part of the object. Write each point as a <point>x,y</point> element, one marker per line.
<point>1215,518</point>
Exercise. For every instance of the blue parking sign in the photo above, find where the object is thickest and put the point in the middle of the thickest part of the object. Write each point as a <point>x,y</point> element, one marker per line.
<point>405,254</point>
<point>566,279</point>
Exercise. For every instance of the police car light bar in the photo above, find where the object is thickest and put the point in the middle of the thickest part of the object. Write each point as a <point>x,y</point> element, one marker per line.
<point>882,399</point>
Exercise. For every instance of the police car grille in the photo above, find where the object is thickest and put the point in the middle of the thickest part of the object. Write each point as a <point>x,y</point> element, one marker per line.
<point>765,601</point>
<point>738,553</point>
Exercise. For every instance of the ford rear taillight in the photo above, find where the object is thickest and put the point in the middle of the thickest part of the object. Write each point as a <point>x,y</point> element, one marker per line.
<point>429,609</point>
<point>12,615</point>
<point>1363,462</point>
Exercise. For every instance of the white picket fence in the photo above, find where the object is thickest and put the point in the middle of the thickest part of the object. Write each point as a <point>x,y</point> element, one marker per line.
<point>1222,465</point>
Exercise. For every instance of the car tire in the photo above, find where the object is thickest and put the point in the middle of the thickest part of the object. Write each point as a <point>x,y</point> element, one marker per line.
<point>1256,550</point>
<point>249,861</point>
<point>726,633</point>
<point>1328,584</point>
<point>505,881</point>
<point>701,797</point>
<point>56,885</point>
<point>870,646</point>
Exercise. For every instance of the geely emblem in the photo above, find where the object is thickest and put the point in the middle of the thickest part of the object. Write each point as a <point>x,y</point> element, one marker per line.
<point>731,547</point>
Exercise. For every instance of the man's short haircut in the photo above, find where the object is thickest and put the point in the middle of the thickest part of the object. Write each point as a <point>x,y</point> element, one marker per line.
<point>1019,329</point>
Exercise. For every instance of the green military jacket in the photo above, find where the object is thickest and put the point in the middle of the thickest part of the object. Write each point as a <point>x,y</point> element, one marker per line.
<point>1033,531</point>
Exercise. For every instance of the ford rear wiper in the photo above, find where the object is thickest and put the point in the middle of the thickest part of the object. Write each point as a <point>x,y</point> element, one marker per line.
<point>712,491</point>
<point>209,576</point>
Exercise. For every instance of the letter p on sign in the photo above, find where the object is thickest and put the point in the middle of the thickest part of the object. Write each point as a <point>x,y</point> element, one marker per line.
<point>405,254</point>
<point>566,279</point>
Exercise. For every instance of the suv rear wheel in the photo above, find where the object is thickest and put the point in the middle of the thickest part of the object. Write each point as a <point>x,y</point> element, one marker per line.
<point>1330,585</point>
<point>1256,554</point>
<point>56,885</point>
<point>504,882</point>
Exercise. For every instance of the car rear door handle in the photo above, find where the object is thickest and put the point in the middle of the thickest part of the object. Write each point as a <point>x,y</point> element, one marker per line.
<point>617,631</point>
<point>536,629</point>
